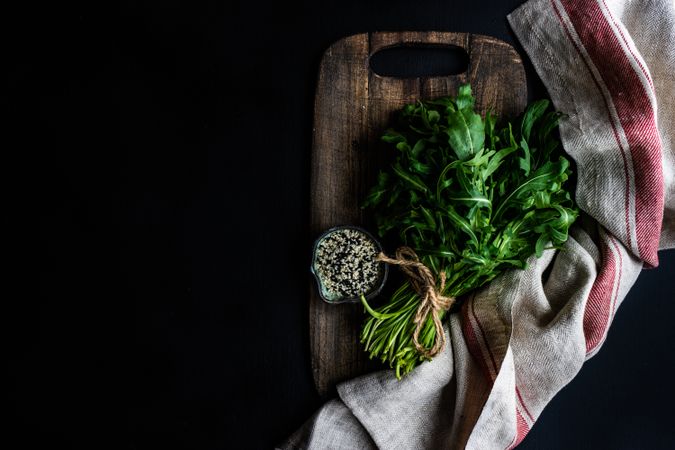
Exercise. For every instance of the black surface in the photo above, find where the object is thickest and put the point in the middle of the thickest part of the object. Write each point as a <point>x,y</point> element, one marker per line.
<point>156,188</point>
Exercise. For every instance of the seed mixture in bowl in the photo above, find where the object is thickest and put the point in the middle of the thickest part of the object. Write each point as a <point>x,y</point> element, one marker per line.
<point>345,264</point>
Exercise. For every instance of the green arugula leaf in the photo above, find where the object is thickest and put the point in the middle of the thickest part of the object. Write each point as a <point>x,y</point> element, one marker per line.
<point>500,196</point>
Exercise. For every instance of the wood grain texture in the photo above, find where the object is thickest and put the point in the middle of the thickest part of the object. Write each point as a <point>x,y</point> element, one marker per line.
<point>352,107</point>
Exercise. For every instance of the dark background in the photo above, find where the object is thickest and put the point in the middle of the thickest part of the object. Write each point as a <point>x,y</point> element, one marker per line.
<point>156,193</point>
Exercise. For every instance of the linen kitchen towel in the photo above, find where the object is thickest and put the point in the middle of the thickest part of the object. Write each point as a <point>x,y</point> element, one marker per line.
<point>610,66</point>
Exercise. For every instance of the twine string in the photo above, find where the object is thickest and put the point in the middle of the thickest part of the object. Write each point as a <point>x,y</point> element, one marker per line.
<point>433,301</point>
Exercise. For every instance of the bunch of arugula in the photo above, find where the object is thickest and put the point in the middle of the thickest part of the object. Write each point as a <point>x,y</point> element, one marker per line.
<point>472,199</point>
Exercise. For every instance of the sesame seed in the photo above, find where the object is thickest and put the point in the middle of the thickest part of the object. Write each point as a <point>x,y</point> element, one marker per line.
<point>345,263</point>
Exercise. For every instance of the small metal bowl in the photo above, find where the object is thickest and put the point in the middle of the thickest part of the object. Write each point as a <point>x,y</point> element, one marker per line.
<point>323,293</point>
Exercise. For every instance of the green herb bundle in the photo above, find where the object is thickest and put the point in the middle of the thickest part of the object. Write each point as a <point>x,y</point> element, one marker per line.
<point>472,199</point>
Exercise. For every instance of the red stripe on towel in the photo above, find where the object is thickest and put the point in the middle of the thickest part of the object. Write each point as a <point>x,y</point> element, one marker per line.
<point>522,428</point>
<point>611,121</point>
<point>637,60</point>
<point>485,339</point>
<point>599,304</point>
<point>522,403</point>
<point>618,282</point>
<point>470,335</point>
<point>636,117</point>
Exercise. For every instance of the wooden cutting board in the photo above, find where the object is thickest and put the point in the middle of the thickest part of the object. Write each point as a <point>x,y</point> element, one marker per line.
<point>352,108</point>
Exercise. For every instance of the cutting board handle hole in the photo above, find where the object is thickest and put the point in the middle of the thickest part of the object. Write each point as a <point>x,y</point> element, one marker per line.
<point>417,61</point>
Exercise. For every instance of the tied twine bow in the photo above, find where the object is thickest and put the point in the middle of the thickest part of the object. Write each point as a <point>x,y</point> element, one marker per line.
<point>424,283</point>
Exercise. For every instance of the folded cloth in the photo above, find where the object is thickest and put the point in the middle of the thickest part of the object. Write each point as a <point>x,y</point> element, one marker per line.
<point>609,65</point>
